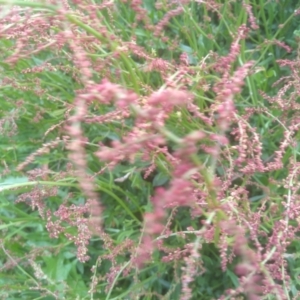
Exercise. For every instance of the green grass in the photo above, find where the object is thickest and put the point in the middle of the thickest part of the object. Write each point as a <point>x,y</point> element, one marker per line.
<point>26,247</point>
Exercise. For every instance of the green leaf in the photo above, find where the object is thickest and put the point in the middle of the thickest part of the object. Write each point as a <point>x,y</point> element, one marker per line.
<point>233,278</point>
<point>160,179</point>
<point>14,180</point>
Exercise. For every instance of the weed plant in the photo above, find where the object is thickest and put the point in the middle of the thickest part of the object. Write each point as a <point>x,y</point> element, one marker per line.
<point>149,149</point>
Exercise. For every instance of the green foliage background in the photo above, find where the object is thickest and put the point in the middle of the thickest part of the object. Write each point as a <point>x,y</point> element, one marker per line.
<point>25,243</point>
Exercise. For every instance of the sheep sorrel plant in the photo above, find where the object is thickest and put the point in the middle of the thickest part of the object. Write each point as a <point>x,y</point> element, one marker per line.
<point>149,149</point>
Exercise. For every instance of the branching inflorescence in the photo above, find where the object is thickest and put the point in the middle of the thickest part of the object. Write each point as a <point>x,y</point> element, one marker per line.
<point>181,114</point>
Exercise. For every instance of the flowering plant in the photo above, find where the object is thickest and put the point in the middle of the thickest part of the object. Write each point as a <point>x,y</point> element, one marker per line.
<point>157,145</point>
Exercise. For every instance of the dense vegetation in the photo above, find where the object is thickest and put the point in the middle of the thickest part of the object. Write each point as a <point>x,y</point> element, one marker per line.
<point>149,149</point>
